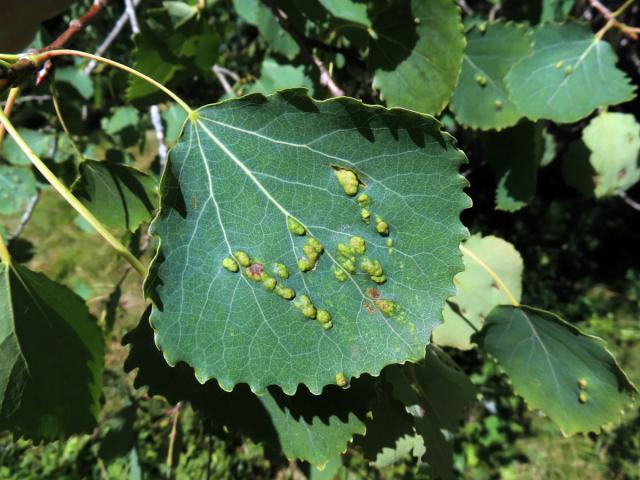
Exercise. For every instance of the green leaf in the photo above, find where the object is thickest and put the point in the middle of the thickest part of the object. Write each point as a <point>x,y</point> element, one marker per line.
<point>169,50</point>
<point>477,291</point>
<point>17,186</point>
<point>249,172</point>
<point>517,174</point>
<point>407,446</point>
<point>569,74</point>
<point>174,118</point>
<point>121,197</point>
<point>312,428</point>
<point>41,143</point>
<point>348,10</point>
<point>481,99</point>
<point>274,77</point>
<point>438,393</point>
<point>256,13</point>
<point>417,53</point>
<point>556,10</point>
<point>52,358</point>
<point>614,141</point>
<point>556,368</point>
<point>75,78</point>
<point>123,118</point>
<point>577,171</point>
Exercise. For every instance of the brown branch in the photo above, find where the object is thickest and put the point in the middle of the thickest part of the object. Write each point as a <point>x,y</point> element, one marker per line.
<point>74,27</point>
<point>612,21</point>
<point>172,437</point>
<point>325,76</point>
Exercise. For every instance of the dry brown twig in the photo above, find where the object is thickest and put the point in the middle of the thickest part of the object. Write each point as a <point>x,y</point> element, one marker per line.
<point>325,76</point>
<point>612,19</point>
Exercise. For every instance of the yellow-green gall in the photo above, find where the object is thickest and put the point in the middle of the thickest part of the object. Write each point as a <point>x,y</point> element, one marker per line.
<point>341,381</point>
<point>230,264</point>
<point>498,104</point>
<point>386,306</point>
<point>364,200</point>
<point>348,180</point>
<point>324,316</point>
<point>281,270</point>
<point>295,226</point>
<point>365,215</point>
<point>269,283</point>
<point>327,326</point>
<point>481,80</point>
<point>559,64</point>
<point>285,292</point>
<point>482,27</point>
<point>379,279</point>
<point>340,275</point>
<point>304,265</point>
<point>358,245</point>
<point>305,305</point>
<point>348,265</point>
<point>382,227</point>
<point>582,384</point>
<point>243,258</point>
<point>569,69</point>
<point>315,244</point>
<point>582,398</point>
<point>372,267</point>
<point>389,242</point>
<point>309,311</point>
<point>345,251</point>
<point>310,252</point>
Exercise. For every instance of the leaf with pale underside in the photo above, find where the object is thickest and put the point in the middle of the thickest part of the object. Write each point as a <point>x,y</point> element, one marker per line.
<point>477,291</point>
<point>481,99</point>
<point>614,141</point>
<point>241,169</point>
<point>51,353</point>
<point>569,74</point>
<point>556,368</point>
<point>416,52</point>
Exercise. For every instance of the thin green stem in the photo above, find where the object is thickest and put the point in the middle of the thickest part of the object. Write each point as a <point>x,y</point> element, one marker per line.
<point>71,199</point>
<point>41,57</point>
<point>623,7</point>
<point>4,252</point>
<point>492,273</point>
<point>13,94</point>
<point>9,58</point>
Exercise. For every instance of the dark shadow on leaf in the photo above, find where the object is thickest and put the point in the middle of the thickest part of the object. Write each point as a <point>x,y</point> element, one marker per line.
<point>299,98</point>
<point>395,28</point>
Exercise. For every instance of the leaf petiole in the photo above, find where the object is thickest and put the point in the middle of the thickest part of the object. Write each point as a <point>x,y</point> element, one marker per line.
<point>5,257</point>
<point>70,198</point>
<point>492,273</point>
<point>41,57</point>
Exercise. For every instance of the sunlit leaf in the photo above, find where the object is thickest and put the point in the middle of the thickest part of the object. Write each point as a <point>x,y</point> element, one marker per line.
<point>250,175</point>
<point>556,368</point>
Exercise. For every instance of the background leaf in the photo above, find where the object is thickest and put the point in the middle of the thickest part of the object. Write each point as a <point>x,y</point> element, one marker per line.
<point>548,359</point>
<point>569,74</point>
<point>614,141</point>
<point>52,357</point>
<point>416,53</point>
<point>477,292</point>
<point>121,197</point>
<point>18,186</point>
<point>481,99</point>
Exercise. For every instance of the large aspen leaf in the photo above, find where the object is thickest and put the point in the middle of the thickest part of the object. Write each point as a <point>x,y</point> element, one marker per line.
<point>242,172</point>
